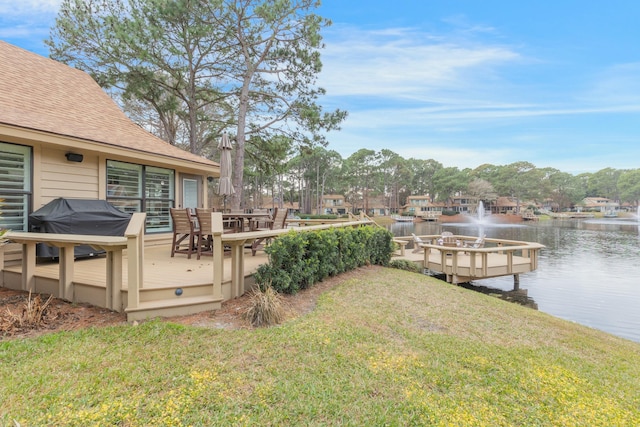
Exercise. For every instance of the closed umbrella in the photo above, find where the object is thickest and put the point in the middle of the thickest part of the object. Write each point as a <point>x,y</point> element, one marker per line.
<point>225,187</point>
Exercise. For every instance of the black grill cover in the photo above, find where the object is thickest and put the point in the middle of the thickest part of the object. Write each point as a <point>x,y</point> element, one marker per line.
<point>77,216</point>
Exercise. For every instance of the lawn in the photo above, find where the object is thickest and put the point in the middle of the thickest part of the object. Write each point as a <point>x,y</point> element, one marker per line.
<point>387,347</point>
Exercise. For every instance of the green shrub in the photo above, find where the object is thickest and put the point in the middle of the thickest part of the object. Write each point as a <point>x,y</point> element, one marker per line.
<point>321,216</point>
<point>405,264</point>
<point>299,260</point>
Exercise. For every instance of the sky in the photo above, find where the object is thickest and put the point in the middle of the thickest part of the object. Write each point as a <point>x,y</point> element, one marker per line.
<point>465,82</point>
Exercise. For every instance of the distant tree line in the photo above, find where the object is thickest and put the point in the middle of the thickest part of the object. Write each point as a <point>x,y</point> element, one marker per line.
<point>305,176</point>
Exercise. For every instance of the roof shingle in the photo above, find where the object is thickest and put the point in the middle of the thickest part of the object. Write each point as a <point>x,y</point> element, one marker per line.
<point>41,94</point>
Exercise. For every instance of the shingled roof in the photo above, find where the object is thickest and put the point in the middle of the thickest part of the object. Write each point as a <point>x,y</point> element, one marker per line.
<point>41,94</point>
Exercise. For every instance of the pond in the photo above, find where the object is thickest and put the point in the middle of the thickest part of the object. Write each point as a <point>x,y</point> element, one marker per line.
<point>588,273</point>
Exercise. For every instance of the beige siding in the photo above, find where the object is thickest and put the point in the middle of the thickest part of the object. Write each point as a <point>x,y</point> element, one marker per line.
<point>61,178</point>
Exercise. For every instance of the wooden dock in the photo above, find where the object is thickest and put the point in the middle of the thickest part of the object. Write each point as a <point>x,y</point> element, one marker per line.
<point>497,258</point>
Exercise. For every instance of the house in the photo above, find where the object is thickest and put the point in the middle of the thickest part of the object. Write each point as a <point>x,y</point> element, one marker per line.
<point>598,204</point>
<point>61,135</point>
<point>464,204</point>
<point>422,206</point>
<point>335,204</point>
<point>293,208</point>
<point>377,206</point>
<point>505,205</point>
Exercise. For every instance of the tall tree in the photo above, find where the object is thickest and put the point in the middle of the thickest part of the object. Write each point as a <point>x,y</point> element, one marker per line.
<point>449,181</point>
<point>604,183</point>
<point>256,60</point>
<point>629,186</point>
<point>481,189</point>
<point>360,168</point>
<point>394,173</point>
<point>161,52</point>
<point>275,59</point>
<point>562,189</point>
<point>424,172</point>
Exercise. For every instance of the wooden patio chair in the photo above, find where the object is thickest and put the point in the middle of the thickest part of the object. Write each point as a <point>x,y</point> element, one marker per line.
<point>417,241</point>
<point>185,233</point>
<point>279,222</point>
<point>205,240</point>
<point>264,222</point>
<point>478,243</point>
<point>448,239</point>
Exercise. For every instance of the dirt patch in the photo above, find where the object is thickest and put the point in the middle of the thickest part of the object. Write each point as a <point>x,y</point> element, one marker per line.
<point>62,315</point>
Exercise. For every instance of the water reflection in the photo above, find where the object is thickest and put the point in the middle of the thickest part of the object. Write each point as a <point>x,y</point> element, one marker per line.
<point>588,272</point>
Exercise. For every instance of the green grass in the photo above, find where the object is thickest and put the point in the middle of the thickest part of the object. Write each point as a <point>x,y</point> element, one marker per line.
<point>388,348</point>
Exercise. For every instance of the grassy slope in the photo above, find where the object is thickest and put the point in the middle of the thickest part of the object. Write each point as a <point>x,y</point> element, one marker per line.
<point>390,347</point>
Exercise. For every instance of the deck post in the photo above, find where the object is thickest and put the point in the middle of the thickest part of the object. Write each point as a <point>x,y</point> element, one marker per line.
<point>516,282</point>
<point>218,254</point>
<point>114,280</point>
<point>135,256</point>
<point>2,246</point>
<point>237,269</point>
<point>65,265</point>
<point>29,266</point>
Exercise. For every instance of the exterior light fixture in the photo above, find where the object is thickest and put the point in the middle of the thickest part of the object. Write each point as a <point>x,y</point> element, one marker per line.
<point>74,157</point>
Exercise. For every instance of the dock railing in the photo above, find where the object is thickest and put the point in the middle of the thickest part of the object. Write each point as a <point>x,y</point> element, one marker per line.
<point>498,257</point>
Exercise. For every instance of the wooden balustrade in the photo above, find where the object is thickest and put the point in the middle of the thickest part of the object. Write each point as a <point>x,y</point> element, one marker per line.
<point>498,257</point>
<point>133,241</point>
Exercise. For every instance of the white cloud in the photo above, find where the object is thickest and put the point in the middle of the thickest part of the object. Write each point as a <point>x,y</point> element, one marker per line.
<point>28,8</point>
<point>404,63</point>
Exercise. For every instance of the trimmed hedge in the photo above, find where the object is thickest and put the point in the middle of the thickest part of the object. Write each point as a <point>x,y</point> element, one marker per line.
<point>297,260</point>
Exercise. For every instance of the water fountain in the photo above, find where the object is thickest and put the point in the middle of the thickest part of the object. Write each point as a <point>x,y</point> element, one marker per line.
<point>481,213</point>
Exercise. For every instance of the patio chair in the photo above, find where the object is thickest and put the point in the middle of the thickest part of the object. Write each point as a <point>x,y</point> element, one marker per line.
<point>185,233</point>
<point>279,222</point>
<point>264,222</point>
<point>417,241</point>
<point>205,240</point>
<point>448,239</point>
<point>478,243</point>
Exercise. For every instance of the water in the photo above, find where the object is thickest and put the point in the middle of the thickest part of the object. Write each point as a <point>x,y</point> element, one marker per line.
<point>588,273</point>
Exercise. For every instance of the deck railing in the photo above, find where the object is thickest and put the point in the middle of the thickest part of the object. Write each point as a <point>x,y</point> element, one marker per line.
<point>237,241</point>
<point>477,260</point>
<point>133,242</point>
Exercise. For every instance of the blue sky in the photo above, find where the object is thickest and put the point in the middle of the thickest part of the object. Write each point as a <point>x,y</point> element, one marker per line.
<point>466,82</point>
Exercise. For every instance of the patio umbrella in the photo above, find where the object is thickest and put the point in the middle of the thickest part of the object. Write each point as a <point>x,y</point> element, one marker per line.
<point>225,187</point>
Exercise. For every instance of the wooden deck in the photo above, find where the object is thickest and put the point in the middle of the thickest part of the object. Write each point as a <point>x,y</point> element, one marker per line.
<point>163,275</point>
<point>498,258</point>
<point>143,280</point>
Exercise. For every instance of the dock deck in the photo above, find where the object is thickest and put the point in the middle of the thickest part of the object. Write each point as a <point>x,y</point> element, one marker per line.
<point>497,258</point>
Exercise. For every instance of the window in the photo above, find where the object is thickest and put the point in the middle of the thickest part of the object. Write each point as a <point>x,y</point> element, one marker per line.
<point>138,188</point>
<point>15,186</point>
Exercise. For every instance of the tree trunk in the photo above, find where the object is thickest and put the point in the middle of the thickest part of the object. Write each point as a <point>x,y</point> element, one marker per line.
<point>238,170</point>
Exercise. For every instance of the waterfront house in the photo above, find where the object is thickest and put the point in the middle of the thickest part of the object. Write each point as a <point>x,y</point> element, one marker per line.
<point>377,206</point>
<point>334,204</point>
<point>423,206</point>
<point>61,135</point>
<point>598,204</point>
